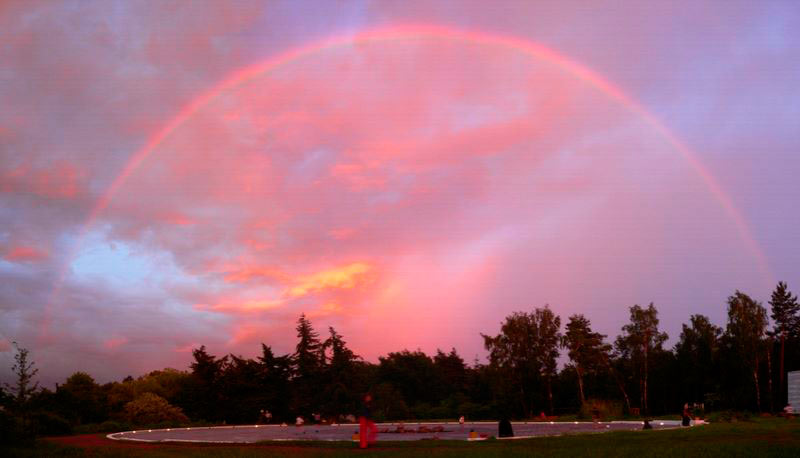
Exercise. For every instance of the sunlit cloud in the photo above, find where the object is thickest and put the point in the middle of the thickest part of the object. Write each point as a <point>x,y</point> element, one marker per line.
<point>345,277</point>
<point>21,253</point>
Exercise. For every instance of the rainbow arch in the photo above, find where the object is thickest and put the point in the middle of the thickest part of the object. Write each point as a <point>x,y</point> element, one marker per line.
<point>435,32</point>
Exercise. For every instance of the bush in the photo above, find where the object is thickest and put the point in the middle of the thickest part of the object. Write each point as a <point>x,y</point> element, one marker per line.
<point>111,426</point>
<point>151,408</point>
<point>728,416</point>
<point>49,424</point>
<point>602,407</point>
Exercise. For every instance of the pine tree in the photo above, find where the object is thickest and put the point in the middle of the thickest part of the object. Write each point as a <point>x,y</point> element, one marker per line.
<point>786,315</point>
<point>308,360</point>
<point>308,356</point>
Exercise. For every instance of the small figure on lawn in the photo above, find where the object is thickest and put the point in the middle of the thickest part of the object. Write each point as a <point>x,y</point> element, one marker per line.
<point>504,429</point>
<point>686,420</point>
<point>367,431</point>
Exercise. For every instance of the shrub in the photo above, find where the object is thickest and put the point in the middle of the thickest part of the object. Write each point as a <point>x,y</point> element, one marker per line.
<point>151,408</point>
<point>604,408</point>
<point>49,424</point>
<point>728,416</point>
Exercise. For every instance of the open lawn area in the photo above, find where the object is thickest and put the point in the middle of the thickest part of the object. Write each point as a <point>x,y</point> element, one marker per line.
<point>760,437</point>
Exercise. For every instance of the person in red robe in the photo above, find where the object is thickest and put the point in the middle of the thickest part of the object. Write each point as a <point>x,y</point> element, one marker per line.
<point>368,432</point>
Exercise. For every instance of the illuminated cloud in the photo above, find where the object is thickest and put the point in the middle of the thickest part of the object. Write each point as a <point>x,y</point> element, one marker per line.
<point>345,277</point>
<point>24,253</point>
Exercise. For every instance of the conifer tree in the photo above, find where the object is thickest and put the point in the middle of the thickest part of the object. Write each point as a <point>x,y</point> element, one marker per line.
<point>786,316</point>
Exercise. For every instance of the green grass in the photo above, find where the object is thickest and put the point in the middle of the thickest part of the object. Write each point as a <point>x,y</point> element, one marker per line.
<point>761,437</point>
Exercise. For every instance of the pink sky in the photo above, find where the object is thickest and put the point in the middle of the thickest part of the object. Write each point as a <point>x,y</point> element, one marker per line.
<point>410,189</point>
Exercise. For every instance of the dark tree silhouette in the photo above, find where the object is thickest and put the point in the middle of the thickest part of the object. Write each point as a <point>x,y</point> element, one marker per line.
<point>275,374</point>
<point>308,359</point>
<point>696,352</point>
<point>24,373</point>
<point>340,392</point>
<point>204,396</point>
<point>747,324</point>
<point>585,348</point>
<point>786,316</point>
<point>639,340</point>
<point>512,354</point>
<point>547,343</point>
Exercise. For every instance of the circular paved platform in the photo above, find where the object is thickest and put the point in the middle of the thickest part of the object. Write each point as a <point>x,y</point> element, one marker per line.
<point>388,431</point>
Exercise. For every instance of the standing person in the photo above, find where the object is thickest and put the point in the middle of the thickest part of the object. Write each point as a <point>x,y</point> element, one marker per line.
<point>367,431</point>
<point>685,419</point>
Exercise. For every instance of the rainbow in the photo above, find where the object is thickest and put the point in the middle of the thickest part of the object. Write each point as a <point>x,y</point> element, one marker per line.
<point>434,32</point>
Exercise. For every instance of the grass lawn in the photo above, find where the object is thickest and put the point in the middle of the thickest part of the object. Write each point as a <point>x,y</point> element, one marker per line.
<point>760,437</point>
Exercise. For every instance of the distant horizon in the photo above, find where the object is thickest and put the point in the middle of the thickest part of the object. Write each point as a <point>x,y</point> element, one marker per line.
<point>323,333</point>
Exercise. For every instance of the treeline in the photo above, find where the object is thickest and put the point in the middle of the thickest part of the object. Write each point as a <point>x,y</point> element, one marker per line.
<point>741,366</point>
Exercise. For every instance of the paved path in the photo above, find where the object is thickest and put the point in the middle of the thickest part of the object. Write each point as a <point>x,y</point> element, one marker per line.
<point>344,432</point>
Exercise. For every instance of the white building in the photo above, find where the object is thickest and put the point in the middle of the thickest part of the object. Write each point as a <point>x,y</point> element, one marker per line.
<point>794,390</point>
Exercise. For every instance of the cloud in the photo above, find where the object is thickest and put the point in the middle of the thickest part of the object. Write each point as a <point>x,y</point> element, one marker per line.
<point>345,277</point>
<point>24,254</point>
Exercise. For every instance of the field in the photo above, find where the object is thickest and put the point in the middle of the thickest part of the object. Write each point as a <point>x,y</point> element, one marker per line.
<point>760,437</point>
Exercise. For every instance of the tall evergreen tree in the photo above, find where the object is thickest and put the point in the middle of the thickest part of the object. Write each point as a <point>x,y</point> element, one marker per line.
<point>309,360</point>
<point>747,324</point>
<point>786,316</point>
<point>308,355</point>
<point>342,391</point>
<point>275,374</point>
<point>206,374</point>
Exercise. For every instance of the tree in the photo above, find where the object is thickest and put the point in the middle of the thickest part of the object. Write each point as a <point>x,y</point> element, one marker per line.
<point>786,315</point>
<point>82,399</point>
<point>308,353</point>
<point>696,353</point>
<point>308,362</point>
<point>275,374</point>
<point>204,399</point>
<point>24,372</point>
<point>452,371</point>
<point>411,373</point>
<point>240,390</point>
<point>341,392</point>
<point>150,409</point>
<point>549,336</point>
<point>585,349</point>
<point>512,354</point>
<point>639,340</point>
<point>747,324</point>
